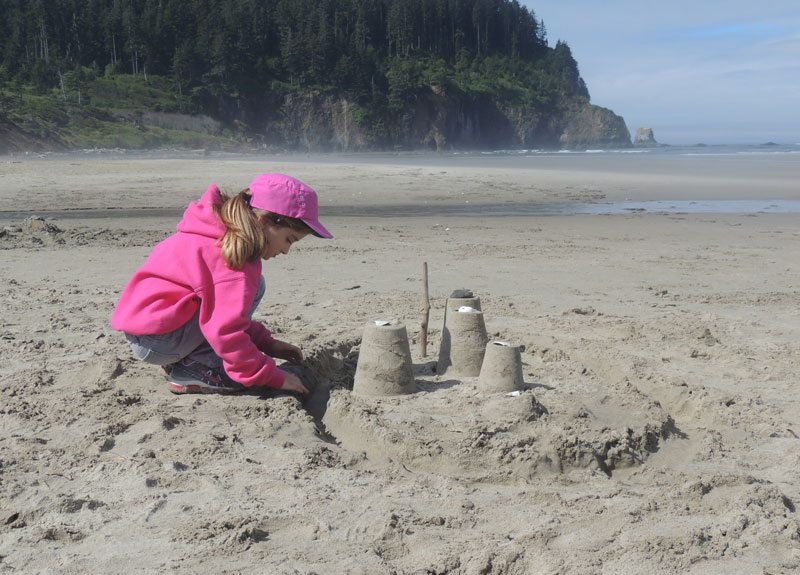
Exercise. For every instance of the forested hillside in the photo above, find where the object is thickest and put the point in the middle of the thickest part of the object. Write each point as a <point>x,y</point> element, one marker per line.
<point>312,74</point>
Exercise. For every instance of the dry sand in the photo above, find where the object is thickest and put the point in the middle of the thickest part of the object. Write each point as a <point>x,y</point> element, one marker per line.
<point>658,434</point>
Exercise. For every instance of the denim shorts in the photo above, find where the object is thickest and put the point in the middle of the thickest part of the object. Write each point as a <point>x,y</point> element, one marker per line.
<point>171,347</point>
<point>186,341</point>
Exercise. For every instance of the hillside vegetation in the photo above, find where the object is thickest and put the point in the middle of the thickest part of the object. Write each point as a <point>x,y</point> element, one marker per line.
<point>322,74</point>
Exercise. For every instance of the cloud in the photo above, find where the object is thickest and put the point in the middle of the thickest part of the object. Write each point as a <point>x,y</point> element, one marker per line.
<point>733,30</point>
<point>690,67</point>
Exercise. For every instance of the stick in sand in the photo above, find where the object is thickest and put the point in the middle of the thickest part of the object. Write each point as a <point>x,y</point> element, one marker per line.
<point>426,308</point>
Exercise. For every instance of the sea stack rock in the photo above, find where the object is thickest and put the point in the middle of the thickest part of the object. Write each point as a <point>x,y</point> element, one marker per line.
<point>590,126</point>
<point>645,138</point>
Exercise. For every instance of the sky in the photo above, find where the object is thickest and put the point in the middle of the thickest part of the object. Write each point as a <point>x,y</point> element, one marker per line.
<point>699,71</point>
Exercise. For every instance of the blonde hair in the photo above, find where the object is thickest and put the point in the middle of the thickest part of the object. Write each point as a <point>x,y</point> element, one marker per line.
<point>245,238</point>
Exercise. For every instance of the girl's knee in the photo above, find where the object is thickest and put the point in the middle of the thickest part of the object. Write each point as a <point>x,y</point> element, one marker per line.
<point>262,289</point>
<point>145,351</point>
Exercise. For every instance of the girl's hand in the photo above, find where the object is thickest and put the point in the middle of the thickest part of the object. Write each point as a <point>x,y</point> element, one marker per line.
<point>287,351</point>
<point>293,383</point>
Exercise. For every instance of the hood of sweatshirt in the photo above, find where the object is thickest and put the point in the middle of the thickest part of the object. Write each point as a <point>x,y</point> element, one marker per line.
<point>199,218</point>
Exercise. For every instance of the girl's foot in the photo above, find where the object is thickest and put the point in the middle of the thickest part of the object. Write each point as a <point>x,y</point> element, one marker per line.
<point>187,376</point>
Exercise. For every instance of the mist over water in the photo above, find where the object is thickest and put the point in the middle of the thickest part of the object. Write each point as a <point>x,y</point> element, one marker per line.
<point>722,179</point>
<point>525,209</point>
<point>427,156</point>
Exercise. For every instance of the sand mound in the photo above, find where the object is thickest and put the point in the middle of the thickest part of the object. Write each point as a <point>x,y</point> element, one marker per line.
<point>496,438</point>
<point>37,233</point>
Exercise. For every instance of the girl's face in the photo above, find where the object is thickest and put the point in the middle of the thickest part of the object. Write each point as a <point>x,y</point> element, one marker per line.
<point>280,239</point>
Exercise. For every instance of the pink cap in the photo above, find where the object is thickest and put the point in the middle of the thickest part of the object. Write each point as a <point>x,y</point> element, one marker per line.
<point>287,196</point>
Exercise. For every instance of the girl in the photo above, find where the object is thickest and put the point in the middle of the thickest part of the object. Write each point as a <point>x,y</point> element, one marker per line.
<point>189,307</point>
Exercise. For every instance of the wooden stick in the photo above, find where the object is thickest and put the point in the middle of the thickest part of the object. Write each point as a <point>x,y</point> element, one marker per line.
<point>426,309</point>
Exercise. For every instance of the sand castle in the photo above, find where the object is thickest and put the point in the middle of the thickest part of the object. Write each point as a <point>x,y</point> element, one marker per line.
<point>502,368</point>
<point>464,336</point>
<point>389,431</point>
<point>384,365</point>
<point>462,298</point>
<point>384,361</point>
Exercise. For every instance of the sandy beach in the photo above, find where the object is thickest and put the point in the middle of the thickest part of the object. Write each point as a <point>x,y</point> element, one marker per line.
<point>658,432</point>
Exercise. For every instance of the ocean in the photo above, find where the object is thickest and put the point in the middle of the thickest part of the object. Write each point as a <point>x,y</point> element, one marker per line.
<point>722,179</point>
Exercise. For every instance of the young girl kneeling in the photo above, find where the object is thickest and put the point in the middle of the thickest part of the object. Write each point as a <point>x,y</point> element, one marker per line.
<point>189,308</point>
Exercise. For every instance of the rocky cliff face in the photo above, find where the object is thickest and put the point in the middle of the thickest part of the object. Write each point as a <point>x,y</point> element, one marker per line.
<point>315,122</point>
<point>14,139</point>
<point>441,121</point>
<point>435,120</point>
<point>438,120</point>
<point>589,126</point>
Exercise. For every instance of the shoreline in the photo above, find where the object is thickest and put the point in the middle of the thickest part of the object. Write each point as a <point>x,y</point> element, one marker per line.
<point>658,431</point>
<point>133,183</point>
<point>477,210</point>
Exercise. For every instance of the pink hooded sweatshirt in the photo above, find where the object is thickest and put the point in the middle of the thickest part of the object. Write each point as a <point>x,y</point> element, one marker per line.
<point>185,272</point>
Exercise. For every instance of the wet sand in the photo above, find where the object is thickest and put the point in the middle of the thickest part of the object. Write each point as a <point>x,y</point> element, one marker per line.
<point>658,432</point>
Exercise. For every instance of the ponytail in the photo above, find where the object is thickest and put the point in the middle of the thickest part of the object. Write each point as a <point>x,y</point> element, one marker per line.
<point>244,239</point>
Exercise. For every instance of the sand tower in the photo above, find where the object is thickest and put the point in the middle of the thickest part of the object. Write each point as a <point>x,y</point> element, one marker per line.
<point>502,368</point>
<point>463,342</point>
<point>384,361</point>
<point>461,298</point>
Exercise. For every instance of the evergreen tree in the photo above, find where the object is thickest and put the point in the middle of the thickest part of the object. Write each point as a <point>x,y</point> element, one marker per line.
<point>379,52</point>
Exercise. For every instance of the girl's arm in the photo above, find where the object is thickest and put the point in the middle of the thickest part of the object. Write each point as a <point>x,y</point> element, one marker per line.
<point>226,325</point>
<point>282,350</point>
